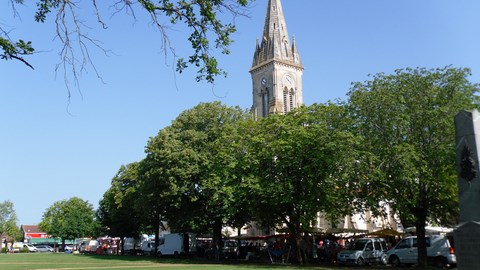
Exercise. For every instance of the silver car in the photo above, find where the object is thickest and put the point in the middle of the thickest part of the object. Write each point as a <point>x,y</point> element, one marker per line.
<point>364,251</point>
<point>44,248</point>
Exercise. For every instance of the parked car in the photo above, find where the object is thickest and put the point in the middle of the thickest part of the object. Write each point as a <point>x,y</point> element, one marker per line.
<point>44,248</point>
<point>132,245</point>
<point>89,246</point>
<point>68,249</point>
<point>440,251</point>
<point>230,249</point>
<point>364,251</point>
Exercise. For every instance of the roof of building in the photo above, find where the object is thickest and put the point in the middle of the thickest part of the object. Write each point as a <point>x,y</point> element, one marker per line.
<point>30,229</point>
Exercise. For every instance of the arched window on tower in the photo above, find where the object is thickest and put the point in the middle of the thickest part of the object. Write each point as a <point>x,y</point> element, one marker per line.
<point>288,100</point>
<point>285,101</point>
<point>291,97</point>
<point>265,101</point>
<point>285,44</point>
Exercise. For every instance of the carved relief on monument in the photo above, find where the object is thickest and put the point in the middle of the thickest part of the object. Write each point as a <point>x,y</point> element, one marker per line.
<point>467,164</point>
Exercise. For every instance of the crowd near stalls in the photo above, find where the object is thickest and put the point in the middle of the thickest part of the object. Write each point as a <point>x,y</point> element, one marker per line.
<point>101,246</point>
<point>341,247</point>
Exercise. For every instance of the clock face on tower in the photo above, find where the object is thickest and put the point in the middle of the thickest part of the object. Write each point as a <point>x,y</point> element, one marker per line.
<point>288,80</point>
<point>264,81</point>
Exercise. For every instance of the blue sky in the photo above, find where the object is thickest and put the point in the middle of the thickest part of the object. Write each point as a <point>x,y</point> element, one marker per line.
<point>52,149</point>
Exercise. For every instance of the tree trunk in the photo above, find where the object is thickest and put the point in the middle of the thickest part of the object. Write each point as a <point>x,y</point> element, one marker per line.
<point>420,227</point>
<point>157,234</point>
<point>217,238</point>
<point>122,245</point>
<point>298,248</point>
<point>295,241</point>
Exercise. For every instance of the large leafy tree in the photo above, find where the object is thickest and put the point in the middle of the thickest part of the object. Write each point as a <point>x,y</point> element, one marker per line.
<point>303,161</point>
<point>157,189</point>
<point>192,160</point>
<point>69,219</point>
<point>406,120</point>
<point>118,210</point>
<point>8,220</point>
<point>203,19</point>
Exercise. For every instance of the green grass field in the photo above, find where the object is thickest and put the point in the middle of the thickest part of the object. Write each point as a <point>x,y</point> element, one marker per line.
<point>60,261</point>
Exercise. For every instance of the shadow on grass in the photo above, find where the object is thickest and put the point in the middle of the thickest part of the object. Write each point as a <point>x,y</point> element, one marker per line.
<point>257,264</point>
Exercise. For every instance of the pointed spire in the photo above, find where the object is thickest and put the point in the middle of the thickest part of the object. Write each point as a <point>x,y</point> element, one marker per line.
<point>274,20</point>
<point>296,56</point>
<point>275,43</point>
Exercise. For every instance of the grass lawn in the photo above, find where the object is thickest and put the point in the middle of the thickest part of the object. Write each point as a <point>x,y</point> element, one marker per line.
<point>60,261</point>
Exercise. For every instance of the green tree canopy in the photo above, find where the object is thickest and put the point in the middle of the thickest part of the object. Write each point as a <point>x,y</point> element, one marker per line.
<point>191,170</point>
<point>303,161</point>
<point>207,32</point>
<point>118,210</point>
<point>8,221</point>
<point>69,219</point>
<point>407,121</point>
<point>157,186</point>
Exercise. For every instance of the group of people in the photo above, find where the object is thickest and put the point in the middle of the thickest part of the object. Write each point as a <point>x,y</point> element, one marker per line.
<point>107,248</point>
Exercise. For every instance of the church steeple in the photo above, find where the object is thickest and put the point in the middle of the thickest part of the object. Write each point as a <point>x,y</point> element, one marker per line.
<point>275,43</point>
<point>276,69</point>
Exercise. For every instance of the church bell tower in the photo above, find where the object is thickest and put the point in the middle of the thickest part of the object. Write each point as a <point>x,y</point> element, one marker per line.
<point>276,69</point>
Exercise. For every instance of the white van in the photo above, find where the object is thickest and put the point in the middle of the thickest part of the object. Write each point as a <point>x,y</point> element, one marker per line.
<point>17,246</point>
<point>440,251</point>
<point>169,244</point>
<point>172,245</point>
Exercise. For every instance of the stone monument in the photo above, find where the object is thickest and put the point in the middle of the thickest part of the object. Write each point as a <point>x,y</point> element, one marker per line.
<point>467,233</point>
